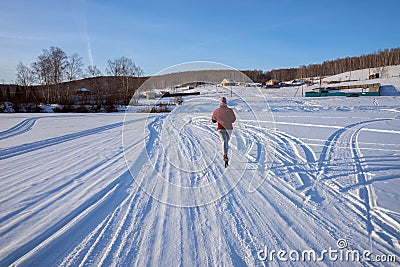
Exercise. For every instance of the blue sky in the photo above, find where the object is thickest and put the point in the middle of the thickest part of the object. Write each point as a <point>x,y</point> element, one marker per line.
<point>252,34</point>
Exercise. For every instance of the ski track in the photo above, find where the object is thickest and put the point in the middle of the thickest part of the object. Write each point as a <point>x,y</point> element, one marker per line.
<point>122,225</point>
<point>20,128</point>
<point>27,124</point>
<point>378,224</point>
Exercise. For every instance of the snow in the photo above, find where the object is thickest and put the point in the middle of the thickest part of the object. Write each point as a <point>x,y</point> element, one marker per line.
<point>140,189</point>
<point>389,79</point>
<point>6,107</point>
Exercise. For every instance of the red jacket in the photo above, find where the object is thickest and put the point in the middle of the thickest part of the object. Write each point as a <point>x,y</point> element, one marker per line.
<point>225,117</point>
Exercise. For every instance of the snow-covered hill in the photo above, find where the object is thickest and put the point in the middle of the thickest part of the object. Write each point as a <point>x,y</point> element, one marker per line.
<point>389,80</point>
<point>308,177</point>
<point>363,74</point>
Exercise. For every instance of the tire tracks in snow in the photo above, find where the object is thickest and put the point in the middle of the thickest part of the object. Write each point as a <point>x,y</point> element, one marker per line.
<point>112,238</point>
<point>375,218</point>
<point>291,161</point>
<point>151,239</point>
<point>20,128</point>
<point>59,228</point>
<point>346,140</point>
<point>26,125</point>
<point>26,148</point>
<point>76,153</point>
<point>129,227</point>
<point>32,249</point>
<point>304,160</point>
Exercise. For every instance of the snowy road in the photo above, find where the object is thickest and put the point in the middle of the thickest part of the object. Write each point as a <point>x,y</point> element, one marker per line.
<point>68,199</point>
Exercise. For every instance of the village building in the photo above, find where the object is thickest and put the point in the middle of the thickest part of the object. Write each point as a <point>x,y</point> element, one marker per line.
<point>228,82</point>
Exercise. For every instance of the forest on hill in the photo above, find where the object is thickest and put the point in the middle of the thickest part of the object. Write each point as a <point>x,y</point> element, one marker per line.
<point>379,59</point>
<point>57,78</point>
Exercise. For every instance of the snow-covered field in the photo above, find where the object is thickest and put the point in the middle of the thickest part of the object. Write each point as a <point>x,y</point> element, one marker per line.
<point>307,175</point>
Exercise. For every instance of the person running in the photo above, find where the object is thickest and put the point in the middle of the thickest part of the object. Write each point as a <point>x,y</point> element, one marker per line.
<point>225,117</point>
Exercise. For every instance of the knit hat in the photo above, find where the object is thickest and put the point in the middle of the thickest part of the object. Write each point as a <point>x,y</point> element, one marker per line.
<point>222,100</point>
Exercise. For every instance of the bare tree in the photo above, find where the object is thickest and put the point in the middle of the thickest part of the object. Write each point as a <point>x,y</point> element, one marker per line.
<point>25,78</point>
<point>121,67</point>
<point>73,69</point>
<point>113,68</point>
<point>59,61</point>
<point>42,71</point>
<point>92,71</point>
<point>50,71</point>
<point>25,75</point>
<point>125,68</point>
<point>139,72</point>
